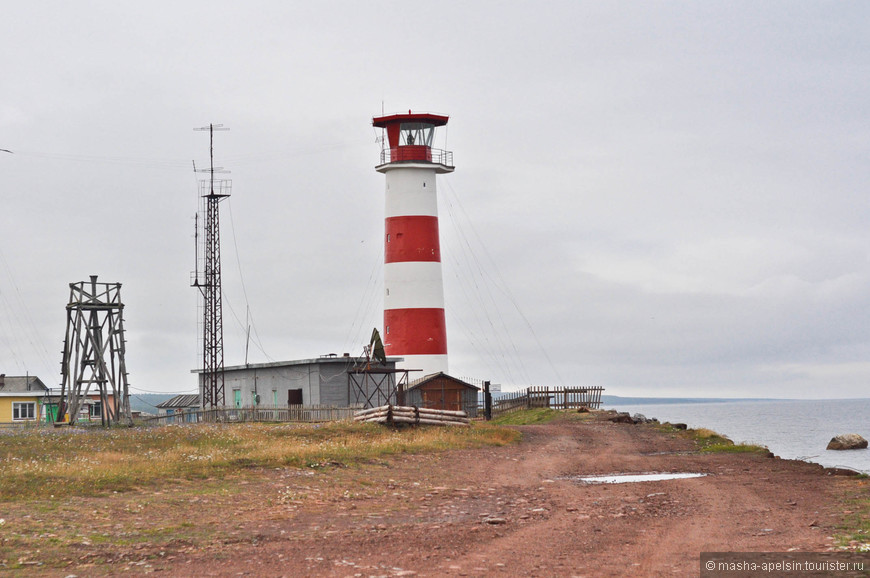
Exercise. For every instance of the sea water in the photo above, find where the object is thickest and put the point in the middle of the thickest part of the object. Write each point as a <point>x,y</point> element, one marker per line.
<point>791,429</point>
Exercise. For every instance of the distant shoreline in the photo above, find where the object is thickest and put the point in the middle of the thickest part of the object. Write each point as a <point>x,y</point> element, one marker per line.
<point>619,400</point>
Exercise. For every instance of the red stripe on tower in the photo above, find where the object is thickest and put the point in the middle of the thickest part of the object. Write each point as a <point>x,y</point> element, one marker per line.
<point>412,238</point>
<point>415,331</point>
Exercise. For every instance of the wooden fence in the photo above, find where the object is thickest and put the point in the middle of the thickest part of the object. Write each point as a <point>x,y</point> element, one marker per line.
<point>284,413</point>
<point>532,397</point>
<point>544,396</point>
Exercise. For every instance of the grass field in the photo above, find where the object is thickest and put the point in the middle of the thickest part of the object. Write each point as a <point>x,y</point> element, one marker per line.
<point>42,463</point>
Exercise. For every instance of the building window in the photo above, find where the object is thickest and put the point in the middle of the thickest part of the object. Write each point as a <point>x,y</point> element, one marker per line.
<point>23,410</point>
<point>96,409</point>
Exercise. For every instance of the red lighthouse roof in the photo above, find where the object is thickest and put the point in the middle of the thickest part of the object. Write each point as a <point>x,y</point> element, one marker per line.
<point>423,117</point>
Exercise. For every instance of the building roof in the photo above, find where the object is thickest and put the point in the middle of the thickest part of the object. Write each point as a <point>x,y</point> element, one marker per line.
<point>432,376</point>
<point>323,359</point>
<point>425,117</point>
<point>191,400</point>
<point>21,384</point>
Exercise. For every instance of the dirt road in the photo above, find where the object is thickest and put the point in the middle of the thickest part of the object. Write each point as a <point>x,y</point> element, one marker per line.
<point>520,511</point>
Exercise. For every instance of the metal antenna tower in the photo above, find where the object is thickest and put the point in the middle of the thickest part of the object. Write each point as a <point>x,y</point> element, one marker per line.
<point>93,352</point>
<point>212,192</point>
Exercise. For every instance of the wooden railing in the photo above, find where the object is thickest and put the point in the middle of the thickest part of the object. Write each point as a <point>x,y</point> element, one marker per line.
<point>544,396</point>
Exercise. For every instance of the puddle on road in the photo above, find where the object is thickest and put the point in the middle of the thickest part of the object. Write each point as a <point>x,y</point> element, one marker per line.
<point>628,478</point>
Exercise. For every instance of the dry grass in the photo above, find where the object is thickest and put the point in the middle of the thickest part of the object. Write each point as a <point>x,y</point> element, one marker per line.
<point>62,462</point>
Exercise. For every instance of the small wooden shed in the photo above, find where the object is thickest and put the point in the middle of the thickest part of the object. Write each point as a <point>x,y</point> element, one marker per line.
<point>182,407</point>
<point>442,391</point>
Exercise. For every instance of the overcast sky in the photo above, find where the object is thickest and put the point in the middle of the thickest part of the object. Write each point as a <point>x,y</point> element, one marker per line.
<point>661,198</point>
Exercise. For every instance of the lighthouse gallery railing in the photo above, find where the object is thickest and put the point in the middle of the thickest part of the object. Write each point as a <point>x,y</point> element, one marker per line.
<point>413,153</point>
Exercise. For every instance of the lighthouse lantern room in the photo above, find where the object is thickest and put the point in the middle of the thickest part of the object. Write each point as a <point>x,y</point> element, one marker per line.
<point>414,324</point>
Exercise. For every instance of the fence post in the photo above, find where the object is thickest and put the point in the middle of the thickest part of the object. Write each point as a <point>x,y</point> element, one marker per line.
<point>487,402</point>
<point>400,394</point>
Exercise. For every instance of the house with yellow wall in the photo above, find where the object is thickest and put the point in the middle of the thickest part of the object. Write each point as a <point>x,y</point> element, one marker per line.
<point>21,399</point>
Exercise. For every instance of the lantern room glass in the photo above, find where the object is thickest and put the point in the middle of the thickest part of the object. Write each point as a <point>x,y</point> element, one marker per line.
<point>416,134</point>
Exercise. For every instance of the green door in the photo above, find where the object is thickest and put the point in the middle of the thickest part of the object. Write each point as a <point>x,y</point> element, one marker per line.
<point>50,413</point>
<point>237,397</point>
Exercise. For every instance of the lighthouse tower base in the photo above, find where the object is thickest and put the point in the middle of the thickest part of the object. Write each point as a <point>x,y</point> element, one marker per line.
<point>428,363</point>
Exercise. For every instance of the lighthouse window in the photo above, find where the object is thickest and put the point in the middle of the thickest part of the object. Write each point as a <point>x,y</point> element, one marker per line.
<point>388,329</point>
<point>416,134</point>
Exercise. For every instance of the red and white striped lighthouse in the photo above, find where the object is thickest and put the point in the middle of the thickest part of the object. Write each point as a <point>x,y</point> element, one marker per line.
<point>414,325</point>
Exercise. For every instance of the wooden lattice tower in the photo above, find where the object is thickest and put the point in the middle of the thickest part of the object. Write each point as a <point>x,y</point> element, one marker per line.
<point>93,352</point>
<point>212,192</point>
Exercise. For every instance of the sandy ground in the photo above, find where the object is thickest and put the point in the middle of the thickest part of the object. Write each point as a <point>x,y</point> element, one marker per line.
<point>514,511</point>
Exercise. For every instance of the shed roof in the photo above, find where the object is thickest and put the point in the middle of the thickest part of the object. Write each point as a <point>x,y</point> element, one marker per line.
<point>432,376</point>
<point>21,384</point>
<point>185,400</point>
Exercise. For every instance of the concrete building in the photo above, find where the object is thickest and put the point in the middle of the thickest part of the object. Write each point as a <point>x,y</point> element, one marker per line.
<point>328,380</point>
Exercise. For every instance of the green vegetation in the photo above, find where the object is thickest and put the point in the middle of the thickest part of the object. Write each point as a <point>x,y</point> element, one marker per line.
<point>55,463</point>
<point>855,528</point>
<point>539,415</point>
<point>526,417</point>
<point>712,442</point>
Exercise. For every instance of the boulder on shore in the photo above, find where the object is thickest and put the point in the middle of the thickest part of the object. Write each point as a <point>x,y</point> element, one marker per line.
<point>847,442</point>
<point>621,417</point>
<point>640,418</point>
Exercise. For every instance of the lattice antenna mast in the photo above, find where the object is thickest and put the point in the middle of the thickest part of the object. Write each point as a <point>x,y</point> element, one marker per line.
<point>212,192</point>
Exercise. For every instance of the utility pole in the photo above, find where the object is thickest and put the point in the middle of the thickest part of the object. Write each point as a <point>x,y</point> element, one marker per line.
<point>212,192</point>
